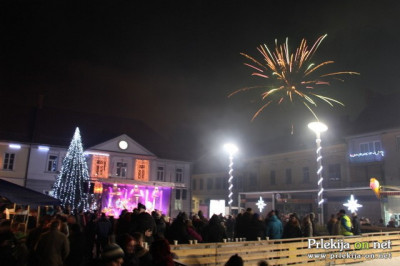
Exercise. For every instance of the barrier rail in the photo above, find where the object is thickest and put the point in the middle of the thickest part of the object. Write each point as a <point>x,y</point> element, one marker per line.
<point>294,251</point>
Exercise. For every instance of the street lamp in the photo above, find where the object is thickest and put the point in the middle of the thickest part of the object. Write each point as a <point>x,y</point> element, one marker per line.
<point>319,127</point>
<point>231,149</point>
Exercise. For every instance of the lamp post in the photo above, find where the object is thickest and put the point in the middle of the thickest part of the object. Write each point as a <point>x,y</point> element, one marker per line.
<point>231,149</point>
<point>319,127</point>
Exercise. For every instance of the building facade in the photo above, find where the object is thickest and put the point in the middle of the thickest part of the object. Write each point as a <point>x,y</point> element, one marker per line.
<point>127,173</point>
<point>288,181</point>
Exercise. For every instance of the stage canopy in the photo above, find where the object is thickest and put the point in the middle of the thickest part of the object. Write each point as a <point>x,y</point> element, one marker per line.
<point>25,196</point>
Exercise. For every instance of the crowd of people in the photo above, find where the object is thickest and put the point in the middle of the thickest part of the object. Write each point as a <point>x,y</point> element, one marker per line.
<point>65,237</point>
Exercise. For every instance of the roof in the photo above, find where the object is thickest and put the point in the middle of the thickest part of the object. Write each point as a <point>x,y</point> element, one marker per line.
<point>52,126</point>
<point>24,196</point>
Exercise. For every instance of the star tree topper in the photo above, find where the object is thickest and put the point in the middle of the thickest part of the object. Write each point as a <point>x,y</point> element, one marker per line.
<point>261,204</point>
<point>352,204</point>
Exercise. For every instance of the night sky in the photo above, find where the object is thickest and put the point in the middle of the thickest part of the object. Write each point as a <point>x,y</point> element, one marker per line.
<point>173,63</point>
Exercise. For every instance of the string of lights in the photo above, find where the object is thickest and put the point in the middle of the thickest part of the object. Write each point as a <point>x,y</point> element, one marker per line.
<point>69,185</point>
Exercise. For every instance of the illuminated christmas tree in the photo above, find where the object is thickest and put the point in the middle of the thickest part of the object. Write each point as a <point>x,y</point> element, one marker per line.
<point>69,186</point>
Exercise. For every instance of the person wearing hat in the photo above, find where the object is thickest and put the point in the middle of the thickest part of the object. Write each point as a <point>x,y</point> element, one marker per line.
<point>112,255</point>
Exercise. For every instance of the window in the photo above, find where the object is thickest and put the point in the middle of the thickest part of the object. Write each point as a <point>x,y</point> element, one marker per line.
<point>178,205</point>
<point>194,184</point>
<point>179,175</point>
<point>184,194</point>
<point>288,176</point>
<point>122,169</point>
<point>142,170</point>
<point>225,182</point>
<point>209,183</point>
<point>100,166</point>
<point>218,183</point>
<point>272,180</point>
<point>52,163</point>
<point>253,180</point>
<point>160,173</point>
<point>201,184</point>
<point>178,201</point>
<point>8,163</point>
<point>373,146</point>
<point>334,172</point>
<point>398,143</point>
<point>306,175</point>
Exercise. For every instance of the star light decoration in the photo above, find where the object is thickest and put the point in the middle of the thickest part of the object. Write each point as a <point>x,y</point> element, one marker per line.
<point>352,204</point>
<point>261,204</point>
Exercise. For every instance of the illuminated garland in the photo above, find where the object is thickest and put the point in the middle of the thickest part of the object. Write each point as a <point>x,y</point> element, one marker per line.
<point>69,185</point>
<point>230,180</point>
<point>382,153</point>
<point>319,172</point>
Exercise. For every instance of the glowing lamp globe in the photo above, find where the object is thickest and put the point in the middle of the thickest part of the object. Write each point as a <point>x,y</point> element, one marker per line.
<point>317,127</point>
<point>230,148</point>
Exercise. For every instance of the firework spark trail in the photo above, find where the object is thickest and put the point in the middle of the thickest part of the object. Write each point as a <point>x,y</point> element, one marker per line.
<point>294,75</point>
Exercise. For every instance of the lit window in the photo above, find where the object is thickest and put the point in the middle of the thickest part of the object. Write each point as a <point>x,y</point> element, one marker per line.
<point>122,169</point>
<point>179,175</point>
<point>8,162</point>
<point>52,163</point>
<point>160,173</point>
<point>178,201</point>
<point>178,205</point>
<point>100,166</point>
<point>373,146</point>
<point>142,170</point>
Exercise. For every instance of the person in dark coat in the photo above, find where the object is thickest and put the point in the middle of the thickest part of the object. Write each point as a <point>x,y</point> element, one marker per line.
<point>356,224</point>
<point>103,231</point>
<point>313,225</point>
<point>161,226</point>
<point>214,232</point>
<point>33,238</point>
<point>292,228</point>
<point>145,224</point>
<point>161,253</point>
<point>257,228</point>
<point>178,230</point>
<point>331,223</point>
<point>239,230</point>
<point>230,226</point>
<point>198,223</point>
<point>246,222</point>
<point>274,229</point>
<point>77,244</point>
<point>53,247</point>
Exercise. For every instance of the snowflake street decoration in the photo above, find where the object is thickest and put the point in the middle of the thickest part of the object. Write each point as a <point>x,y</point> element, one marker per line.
<point>352,204</point>
<point>261,204</point>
